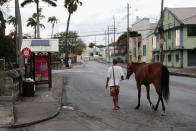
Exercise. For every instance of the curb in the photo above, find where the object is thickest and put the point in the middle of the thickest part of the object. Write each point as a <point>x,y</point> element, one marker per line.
<point>179,74</point>
<point>37,121</point>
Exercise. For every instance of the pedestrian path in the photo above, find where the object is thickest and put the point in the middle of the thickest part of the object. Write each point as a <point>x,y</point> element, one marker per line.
<point>6,114</point>
<point>44,105</point>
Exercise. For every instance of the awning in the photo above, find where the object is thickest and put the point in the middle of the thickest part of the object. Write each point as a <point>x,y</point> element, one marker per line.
<point>41,45</point>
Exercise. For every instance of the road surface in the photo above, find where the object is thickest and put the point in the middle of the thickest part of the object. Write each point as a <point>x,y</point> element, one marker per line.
<point>92,104</point>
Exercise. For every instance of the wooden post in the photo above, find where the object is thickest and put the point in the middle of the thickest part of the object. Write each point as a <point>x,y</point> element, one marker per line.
<point>33,66</point>
<point>49,71</point>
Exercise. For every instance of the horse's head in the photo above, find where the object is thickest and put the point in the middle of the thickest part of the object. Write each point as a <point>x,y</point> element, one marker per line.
<point>129,70</point>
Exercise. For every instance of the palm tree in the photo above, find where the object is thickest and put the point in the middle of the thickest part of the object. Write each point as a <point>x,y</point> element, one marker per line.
<point>71,6</point>
<point>2,20</point>
<point>53,20</point>
<point>50,2</point>
<point>32,22</point>
<point>11,20</point>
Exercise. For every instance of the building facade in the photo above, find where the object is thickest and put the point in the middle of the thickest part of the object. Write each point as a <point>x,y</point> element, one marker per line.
<point>179,48</point>
<point>141,40</point>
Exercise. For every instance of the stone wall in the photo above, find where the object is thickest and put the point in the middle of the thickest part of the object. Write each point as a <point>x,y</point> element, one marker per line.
<point>12,82</point>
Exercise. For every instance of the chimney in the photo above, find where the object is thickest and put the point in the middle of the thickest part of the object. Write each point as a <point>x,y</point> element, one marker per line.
<point>137,18</point>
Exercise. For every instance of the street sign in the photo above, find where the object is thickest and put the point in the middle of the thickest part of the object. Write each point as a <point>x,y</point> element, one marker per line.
<point>162,41</point>
<point>26,52</point>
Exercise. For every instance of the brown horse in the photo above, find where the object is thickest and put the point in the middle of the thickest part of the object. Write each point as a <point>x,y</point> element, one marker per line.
<point>154,73</point>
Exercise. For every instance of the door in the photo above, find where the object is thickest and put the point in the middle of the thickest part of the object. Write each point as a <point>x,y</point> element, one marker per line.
<point>192,58</point>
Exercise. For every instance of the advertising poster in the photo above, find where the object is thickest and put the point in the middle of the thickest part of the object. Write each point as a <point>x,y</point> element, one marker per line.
<point>41,66</point>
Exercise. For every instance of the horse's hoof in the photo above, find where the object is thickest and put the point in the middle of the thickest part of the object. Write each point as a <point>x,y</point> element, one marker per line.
<point>153,107</point>
<point>163,113</point>
<point>137,107</point>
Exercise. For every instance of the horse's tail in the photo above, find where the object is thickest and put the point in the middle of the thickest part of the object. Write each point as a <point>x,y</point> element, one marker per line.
<point>165,83</point>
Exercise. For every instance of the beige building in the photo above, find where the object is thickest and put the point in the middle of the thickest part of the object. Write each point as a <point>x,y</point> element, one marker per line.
<point>141,40</point>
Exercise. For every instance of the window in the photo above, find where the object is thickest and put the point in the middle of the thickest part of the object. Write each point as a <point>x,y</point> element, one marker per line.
<point>169,34</point>
<point>169,58</point>
<point>154,42</point>
<point>144,50</point>
<point>157,58</point>
<point>177,37</point>
<point>134,51</point>
<point>177,58</point>
<point>191,31</point>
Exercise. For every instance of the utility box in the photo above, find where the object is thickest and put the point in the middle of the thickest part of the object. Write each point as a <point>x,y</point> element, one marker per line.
<point>28,88</point>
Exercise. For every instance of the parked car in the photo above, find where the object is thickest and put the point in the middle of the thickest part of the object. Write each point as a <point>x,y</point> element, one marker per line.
<point>86,58</point>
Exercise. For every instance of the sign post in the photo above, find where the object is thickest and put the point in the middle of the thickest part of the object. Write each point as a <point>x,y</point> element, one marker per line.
<point>26,53</point>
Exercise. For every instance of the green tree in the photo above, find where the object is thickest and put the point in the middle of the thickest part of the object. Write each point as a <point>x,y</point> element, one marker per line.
<point>91,45</point>
<point>122,44</point>
<point>53,20</point>
<point>75,44</point>
<point>32,23</point>
<point>100,46</point>
<point>12,21</point>
<point>50,2</point>
<point>7,49</point>
<point>71,6</point>
<point>2,20</point>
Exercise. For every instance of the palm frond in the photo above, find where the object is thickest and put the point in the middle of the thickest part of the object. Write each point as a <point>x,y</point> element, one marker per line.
<point>26,2</point>
<point>50,2</point>
<point>42,26</point>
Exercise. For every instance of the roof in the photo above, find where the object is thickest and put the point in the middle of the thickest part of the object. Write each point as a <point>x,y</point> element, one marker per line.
<point>41,45</point>
<point>184,15</point>
<point>71,55</point>
<point>152,28</point>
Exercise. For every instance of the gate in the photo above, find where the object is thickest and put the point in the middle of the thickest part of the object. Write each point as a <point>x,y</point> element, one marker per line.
<point>2,83</point>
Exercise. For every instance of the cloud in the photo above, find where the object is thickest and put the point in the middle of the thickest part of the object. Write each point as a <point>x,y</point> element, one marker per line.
<point>95,15</point>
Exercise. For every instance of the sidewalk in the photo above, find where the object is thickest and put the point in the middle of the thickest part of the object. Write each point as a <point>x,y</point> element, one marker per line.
<point>30,110</point>
<point>189,72</point>
<point>44,105</point>
<point>6,114</point>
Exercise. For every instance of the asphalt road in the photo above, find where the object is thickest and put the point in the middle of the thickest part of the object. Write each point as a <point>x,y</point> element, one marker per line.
<point>92,104</point>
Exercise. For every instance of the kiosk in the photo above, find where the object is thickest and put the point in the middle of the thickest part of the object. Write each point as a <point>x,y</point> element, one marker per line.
<point>39,64</point>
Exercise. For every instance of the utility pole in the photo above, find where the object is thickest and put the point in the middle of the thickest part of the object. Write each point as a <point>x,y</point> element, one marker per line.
<point>95,47</point>
<point>114,34</point>
<point>161,30</point>
<point>108,43</point>
<point>105,43</point>
<point>18,33</point>
<point>127,32</point>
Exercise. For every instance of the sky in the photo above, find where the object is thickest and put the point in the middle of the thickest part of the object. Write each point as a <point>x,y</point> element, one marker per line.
<point>94,16</point>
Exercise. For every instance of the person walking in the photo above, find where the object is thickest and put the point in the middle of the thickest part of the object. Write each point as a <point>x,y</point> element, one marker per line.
<point>114,76</point>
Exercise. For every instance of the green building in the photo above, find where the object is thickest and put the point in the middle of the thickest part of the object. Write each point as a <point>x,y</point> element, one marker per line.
<point>179,48</point>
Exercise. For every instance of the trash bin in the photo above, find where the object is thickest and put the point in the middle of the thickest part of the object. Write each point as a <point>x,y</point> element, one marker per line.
<point>28,88</point>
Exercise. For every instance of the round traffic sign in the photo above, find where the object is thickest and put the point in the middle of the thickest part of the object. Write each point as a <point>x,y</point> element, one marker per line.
<point>162,41</point>
<point>26,52</point>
